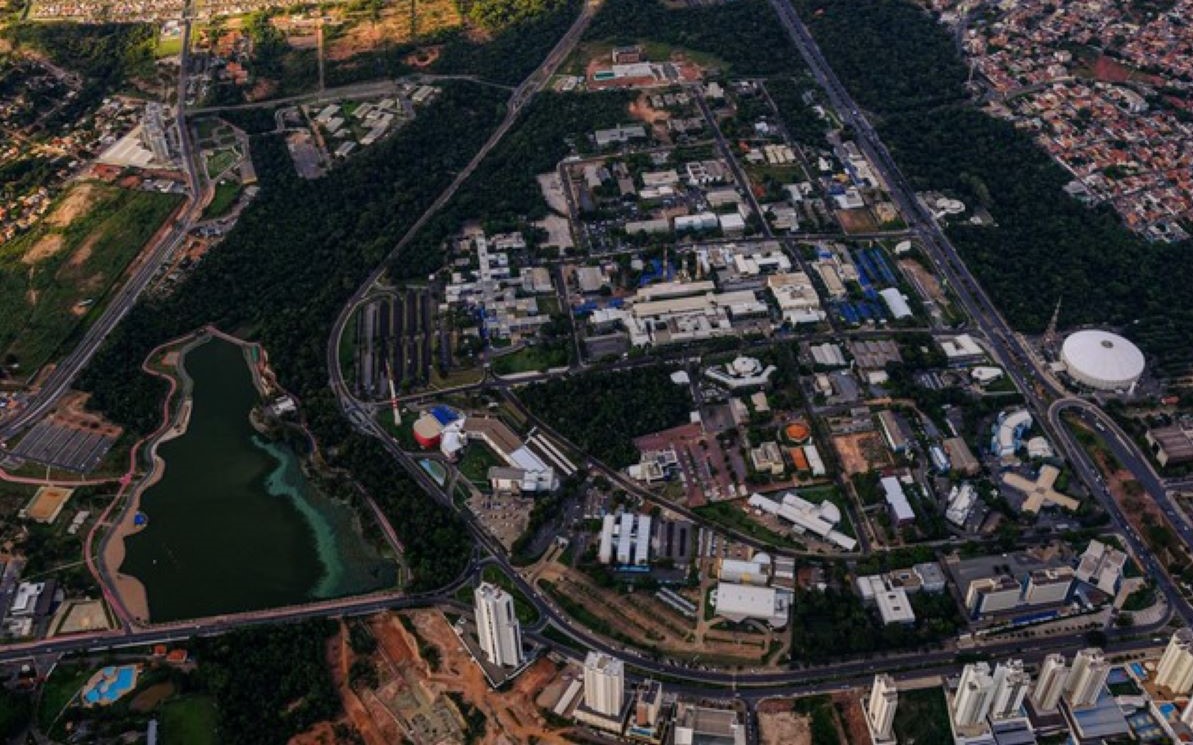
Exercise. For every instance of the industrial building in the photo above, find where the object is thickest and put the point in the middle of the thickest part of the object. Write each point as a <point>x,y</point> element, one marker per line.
<point>892,602</point>
<point>498,631</point>
<point>745,602</point>
<point>698,725</point>
<point>680,312</point>
<point>1171,445</point>
<point>742,372</point>
<point>1008,432</point>
<point>756,571</point>
<point>797,297</point>
<point>625,538</point>
<point>896,499</point>
<point>962,499</point>
<point>894,431</point>
<point>961,349</point>
<point>1102,360</point>
<point>527,468</point>
<point>818,519</point>
<point>961,456</point>
<point>896,303</point>
<point>1102,566</point>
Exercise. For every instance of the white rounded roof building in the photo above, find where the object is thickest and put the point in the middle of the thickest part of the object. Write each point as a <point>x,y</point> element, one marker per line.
<point>1102,360</point>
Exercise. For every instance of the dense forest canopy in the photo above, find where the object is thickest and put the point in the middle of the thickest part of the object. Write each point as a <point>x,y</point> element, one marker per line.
<point>269,683</point>
<point>902,66</point>
<point>603,411</point>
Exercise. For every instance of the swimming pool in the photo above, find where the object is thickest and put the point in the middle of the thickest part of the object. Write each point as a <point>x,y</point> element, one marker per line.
<point>109,684</point>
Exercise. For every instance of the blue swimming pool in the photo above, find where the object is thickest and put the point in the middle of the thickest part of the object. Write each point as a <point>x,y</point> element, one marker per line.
<point>110,684</point>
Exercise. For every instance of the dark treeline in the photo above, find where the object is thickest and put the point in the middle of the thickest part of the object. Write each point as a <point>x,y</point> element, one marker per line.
<point>800,119</point>
<point>603,411</point>
<point>503,190</point>
<point>280,277</point>
<point>900,64</point>
<point>104,55</point>
<point>497,14</point>
<point>744,33</point>
<point>269,683</point>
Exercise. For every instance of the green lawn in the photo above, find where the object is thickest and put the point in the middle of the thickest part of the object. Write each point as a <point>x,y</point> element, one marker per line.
<point>220,161</point>
<point>476,463</point>
<point>530,359</point>
<point>55,277</point>
<point>168,46</point>
<point>191,720</point>
<point>226,193</point>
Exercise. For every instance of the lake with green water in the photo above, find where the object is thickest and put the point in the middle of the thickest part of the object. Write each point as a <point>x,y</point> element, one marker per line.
<point>234,525</point>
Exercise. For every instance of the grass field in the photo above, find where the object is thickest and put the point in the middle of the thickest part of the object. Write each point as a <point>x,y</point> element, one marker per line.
<point>225,196</point>
<point>191,720</point>
<point>54,277</point>
<point>168,46</point>
<point>530,359</point>
<point>476,463</point>
<point>220,161</point>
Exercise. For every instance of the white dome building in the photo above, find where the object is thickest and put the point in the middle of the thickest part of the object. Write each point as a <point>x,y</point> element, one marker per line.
<point>1102,360</point>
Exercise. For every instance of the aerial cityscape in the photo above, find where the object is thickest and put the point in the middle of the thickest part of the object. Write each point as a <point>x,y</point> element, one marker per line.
<point>687,372</point>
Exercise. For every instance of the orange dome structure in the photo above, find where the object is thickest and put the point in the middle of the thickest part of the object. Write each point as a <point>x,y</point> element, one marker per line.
<point>798,431</point>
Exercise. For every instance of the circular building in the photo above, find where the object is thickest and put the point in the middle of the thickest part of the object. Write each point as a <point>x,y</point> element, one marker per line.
<point>1102,360</point>
<point>427,431</point>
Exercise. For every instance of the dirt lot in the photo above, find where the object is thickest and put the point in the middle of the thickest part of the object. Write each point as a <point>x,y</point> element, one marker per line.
<point>925,278</point>
<point>76,203</point>
<point>46,246</point>
<point>779,725</point>
<point>858,220</point>
<point>397,24</point>
<point>71,412</point>
<point>849,703</point>
<point>861,452</point>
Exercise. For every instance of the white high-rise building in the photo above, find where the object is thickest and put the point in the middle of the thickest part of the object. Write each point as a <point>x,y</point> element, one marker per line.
<point>497,627</point>
<point>974,695</point>
<point>1051,683</point>
<point>1010,688</point>
<point>1175,671</point>
<point>1087,677</point>
<point>604,684</point>
<point>880,708</point>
